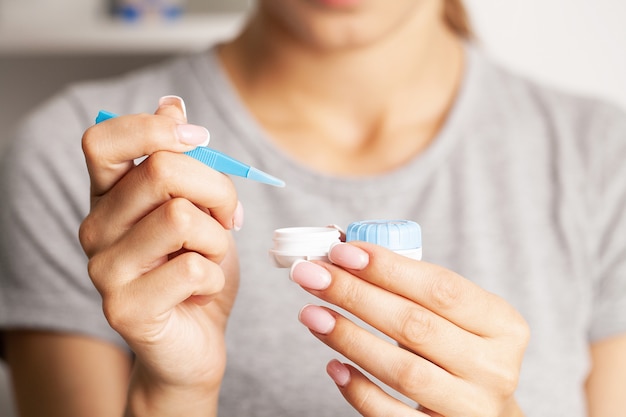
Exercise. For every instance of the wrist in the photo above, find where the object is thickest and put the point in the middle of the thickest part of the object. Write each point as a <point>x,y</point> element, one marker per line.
<point>149,398</point>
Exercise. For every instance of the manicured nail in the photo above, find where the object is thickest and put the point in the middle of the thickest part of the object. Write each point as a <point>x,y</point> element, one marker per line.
<point>192,134</point>
<point>309,275</point>
<point>238,217</point>
<point>317,319</point>
<point>348,256</point>
<point>174,100</point>
<point>338,372</point>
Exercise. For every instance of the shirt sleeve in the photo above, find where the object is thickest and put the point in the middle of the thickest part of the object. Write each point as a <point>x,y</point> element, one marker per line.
<point>608,224</point>
<point>44,196</point>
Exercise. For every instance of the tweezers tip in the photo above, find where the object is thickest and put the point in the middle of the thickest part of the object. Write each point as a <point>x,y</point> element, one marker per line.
<point>260,176</point>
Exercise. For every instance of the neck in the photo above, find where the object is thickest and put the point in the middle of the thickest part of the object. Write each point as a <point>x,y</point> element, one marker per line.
<point>352,96</point>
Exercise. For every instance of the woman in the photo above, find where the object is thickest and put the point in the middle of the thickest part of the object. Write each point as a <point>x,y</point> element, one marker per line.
<point>368,109</point>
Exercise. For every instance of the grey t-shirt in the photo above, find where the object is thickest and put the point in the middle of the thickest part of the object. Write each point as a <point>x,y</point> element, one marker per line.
<point>522,192</point>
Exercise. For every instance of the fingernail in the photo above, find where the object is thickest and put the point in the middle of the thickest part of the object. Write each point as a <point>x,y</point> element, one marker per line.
<point>309,275</point>
<point>338,372</point>
<point>192,134</point>
<point>174,100</point>
<point>348,256</point>
<point>317,319</point>
<point>238,217</point>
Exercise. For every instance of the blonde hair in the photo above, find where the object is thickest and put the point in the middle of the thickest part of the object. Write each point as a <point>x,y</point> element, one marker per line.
<point>456,17</point>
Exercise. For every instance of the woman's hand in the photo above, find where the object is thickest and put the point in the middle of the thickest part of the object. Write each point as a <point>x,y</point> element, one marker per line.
<point>162,256</point>
<point>460,350</point>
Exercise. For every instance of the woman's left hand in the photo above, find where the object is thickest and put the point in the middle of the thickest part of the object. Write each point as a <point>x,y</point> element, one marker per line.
<point>459,348</point>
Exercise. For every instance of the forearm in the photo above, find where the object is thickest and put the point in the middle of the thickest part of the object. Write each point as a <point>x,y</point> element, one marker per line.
<point>66,375</point>
<point>607,381</point>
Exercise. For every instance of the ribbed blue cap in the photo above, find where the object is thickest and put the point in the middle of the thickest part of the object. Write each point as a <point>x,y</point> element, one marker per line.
<point>392,234</point>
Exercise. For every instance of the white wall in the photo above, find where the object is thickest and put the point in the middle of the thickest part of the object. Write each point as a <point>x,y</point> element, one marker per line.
<point>579,45</point>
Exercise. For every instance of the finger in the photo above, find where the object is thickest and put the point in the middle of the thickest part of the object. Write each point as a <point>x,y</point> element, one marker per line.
<point>436,288</point>
<point>411,325</point>
<point>409,374</point>
<point>174,107</point>
<point>365,396</point>
<point>162,177</point>
<point>188,276</point>
<point>176,225</point>
<point>428,412</point>
<point>167,175</point>
<point>112,145</point>
<point>152,297</point>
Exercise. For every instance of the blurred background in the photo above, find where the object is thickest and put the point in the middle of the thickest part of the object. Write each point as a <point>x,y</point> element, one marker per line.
<point>576,45</point>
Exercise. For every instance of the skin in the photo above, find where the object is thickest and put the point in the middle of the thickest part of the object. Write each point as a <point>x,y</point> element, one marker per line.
<point>166,287</point>
<point>460,350</point>
<point>39,362</point>
<point>606,384</point>
<point>322,71</point>
<point>170,300</point>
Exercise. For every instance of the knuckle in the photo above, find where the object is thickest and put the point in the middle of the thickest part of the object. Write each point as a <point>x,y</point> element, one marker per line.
<point>115,313</point>
<point>87,236</point>
<point>110,311</point>
<point>191,266</point>
<point>412,379</point>
<point>198,273</point>
<point>144,119</point>
<point>95,266</point>
<point>103,273</point>
<point>520,331</point>
<point>354,296</point>
<point>416,327</point>
<point>89,143</point>
<point>121,310</point>
<point>159,169</point>
<point>393,268</point>
<point>444,293</point>
<point>178,215</point>
<point>508,380</point>
<point>501,380</point>
<point>365,403</point>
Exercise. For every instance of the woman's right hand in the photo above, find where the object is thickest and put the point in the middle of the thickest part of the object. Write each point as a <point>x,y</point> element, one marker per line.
<point>162,256</point>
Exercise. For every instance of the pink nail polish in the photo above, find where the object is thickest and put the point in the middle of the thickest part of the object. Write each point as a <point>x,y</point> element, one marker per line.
<point>338,372</point>
<point>317,319</point>
<point>348,256</point>
<point>310,275</point>
<point>192,134</point>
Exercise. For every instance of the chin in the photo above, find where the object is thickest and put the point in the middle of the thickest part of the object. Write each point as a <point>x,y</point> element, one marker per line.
<point>338,5</point>
<point>342,36</point>
<point>339,24</point>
